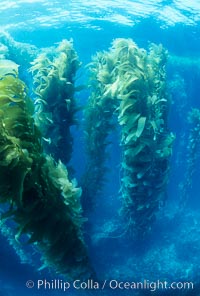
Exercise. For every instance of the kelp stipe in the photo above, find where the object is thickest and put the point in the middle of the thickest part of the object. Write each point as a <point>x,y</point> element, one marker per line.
<point>43,202</point>
<point>54,73</point>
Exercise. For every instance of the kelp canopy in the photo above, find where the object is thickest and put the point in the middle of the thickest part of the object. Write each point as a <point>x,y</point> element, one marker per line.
<point>43,202</point>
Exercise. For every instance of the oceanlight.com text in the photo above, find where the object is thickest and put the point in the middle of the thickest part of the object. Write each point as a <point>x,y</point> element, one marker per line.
<point>58,284</point>
<point>151,285</point>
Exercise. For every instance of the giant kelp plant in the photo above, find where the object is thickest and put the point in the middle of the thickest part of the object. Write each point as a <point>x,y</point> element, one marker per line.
<point>99,124</point>
<point>54,72</point>
<point>40,199</point>
<point>192,155</point>
<point>20,53</point>
<point>146,142</point>
<point>133,82</point>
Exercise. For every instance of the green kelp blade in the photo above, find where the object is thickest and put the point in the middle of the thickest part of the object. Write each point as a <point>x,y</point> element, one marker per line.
<point>141,126</point>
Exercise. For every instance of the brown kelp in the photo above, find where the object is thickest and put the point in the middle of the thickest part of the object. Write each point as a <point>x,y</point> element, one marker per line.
<point>54,73</point>
<point>192,155</point>
<point>145,139</point>
<point>19,52</point>
<point>131,83</point>
<point>99,124</point>
<point>41,200</point>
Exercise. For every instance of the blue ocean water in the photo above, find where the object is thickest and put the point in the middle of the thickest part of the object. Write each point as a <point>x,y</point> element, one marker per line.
<point>170,252</point>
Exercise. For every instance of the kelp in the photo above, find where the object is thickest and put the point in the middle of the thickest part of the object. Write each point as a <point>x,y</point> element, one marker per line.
<point>130,83</point>
<point>42,202</point>
<point>54,73</point>
<point>192,156</point>
<point>98,124</point>
<point>145,140</point>
<point>19,52</point>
